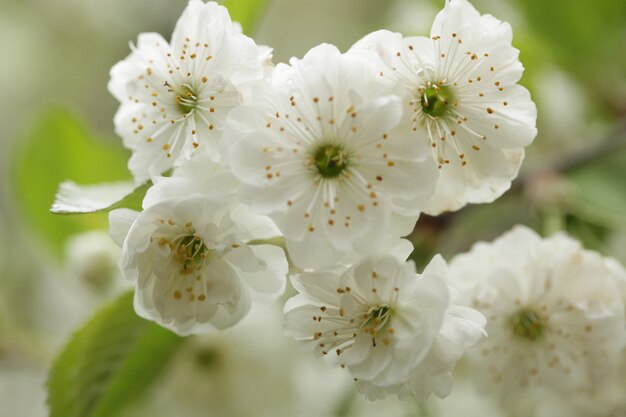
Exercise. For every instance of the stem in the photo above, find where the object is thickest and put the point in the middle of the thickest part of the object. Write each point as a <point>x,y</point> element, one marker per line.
<point>553,221</point>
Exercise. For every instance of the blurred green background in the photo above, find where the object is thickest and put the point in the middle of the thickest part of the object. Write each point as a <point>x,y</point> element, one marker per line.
<point>56,124</point>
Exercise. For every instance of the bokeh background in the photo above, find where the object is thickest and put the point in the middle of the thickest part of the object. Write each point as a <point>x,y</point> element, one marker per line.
<point>56,123</point>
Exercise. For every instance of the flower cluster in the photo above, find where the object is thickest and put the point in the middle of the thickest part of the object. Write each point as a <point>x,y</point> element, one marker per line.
<point>337,155</point>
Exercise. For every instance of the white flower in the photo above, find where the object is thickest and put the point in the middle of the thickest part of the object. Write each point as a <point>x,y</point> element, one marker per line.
<point>193,267</point>
<point>461,328</point>
<point>248,370</point>
<point>318,153</point>
<point>92,259</point>
<point>387,325</point>
<point>175,96</point>
<point>555,313</point>
<point>465,101</point>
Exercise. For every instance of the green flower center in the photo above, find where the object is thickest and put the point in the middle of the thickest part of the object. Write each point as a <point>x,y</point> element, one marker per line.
<point>528,324</point>
<point>186,98</point>
<point>380,314</point>
<point>190,252</point>
<point>330,160</point>
<point>436,100</point>
<point>377,324</point>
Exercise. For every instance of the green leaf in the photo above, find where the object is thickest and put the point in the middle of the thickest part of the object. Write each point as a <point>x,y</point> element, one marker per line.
<point>595,30</point>
<point>58,147</point>
<point>246,12</point>
<point>108,363</point>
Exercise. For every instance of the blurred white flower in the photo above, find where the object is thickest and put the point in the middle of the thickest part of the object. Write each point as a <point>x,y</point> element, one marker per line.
<point>92,259</point>
<point>248,370</point>
<point>465,101</point>
<point>392,329</point>
<point>175,96</point>
<point>318,153</point>
<point>388,407</point>
<point>607,400</point>
<point>192,264</point>
<point>555,314</point>
<point>466,401</point>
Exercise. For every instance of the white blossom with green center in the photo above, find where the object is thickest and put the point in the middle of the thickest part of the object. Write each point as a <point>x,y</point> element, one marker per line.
<point>555,313</point>
<point>318,151</point>
<point>464,100</point>
<point>392,329</point>
<point>175,95</point>
<point>192,263</point>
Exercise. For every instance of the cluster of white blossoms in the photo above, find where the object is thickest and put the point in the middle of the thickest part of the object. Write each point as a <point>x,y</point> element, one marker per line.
<point>339,154</point>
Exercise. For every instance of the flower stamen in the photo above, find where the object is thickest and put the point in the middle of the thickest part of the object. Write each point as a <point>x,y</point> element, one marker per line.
<point>378,320</point>
<point>528,324</point>
<point>186,98</point>
<point>330,160</point>
<point>190,252</point>
<point>435,100</point>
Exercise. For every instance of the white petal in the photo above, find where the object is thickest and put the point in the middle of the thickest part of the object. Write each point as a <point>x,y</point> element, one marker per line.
<point>457,14</point>
<point>120,222</point>
<point>74,198</point>
<point>511,122</point>
<point>314,252</point>
<point>318,285</point>
<point>487,175</point>
<point>197,175</point>
<point>298,322</point>
<point>256,226</point>
<point>270,275</point>
<point>196,20</point>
